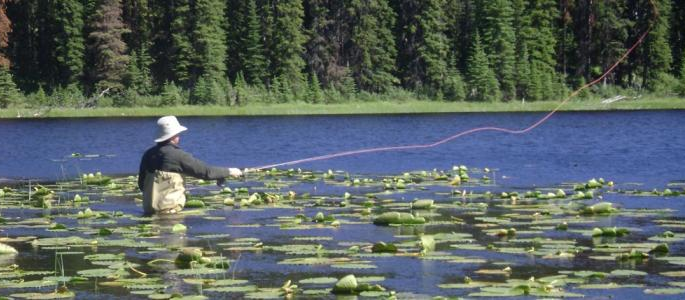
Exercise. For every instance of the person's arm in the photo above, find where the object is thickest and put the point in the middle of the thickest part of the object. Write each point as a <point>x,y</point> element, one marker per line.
<point>197,168</point>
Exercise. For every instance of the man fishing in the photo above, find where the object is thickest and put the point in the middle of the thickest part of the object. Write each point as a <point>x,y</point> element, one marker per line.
<point>162,166</point>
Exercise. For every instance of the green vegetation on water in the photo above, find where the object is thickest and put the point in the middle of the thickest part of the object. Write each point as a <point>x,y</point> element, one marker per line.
<point>489,240</point>
<point>371,107</point>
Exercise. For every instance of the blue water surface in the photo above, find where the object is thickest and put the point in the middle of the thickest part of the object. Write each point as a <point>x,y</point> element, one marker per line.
<point>645,147</point>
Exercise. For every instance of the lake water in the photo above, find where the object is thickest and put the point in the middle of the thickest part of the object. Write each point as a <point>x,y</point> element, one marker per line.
<point>637,150</point>
<point>645,146</point>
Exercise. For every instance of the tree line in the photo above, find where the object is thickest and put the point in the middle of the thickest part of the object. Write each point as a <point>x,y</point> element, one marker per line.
<point>228,52</point>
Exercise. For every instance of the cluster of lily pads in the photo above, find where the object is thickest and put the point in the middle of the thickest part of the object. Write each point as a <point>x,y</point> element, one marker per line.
<point>295,233</point>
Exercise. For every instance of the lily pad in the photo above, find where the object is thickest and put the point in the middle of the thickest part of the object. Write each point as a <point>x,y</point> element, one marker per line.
<point>318,280</point>
<point>665,291</point>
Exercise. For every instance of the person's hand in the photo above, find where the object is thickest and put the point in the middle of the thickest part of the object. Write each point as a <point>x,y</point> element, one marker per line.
<point>235,172</point>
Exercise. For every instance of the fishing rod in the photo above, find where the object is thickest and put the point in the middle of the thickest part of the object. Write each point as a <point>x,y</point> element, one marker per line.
<point>539,122</point>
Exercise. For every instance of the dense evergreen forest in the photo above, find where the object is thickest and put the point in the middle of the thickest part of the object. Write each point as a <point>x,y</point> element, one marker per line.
<point>84,53</point>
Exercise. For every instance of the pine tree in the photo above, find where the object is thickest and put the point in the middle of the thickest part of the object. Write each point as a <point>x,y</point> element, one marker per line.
<point>210,39</point>
<point>253,61</point>
<point>108,48</point>
<point>67,22</point>
<point>181,52</point>
<point>499,42</point>
<point>372,49</point>
<point>288,43</point>
<point>482,81</point>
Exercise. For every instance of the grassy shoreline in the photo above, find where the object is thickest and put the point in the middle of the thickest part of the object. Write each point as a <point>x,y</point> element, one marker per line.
<point>375,107</point>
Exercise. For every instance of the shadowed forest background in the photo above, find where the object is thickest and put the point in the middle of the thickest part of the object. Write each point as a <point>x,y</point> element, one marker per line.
<point>88,53</point>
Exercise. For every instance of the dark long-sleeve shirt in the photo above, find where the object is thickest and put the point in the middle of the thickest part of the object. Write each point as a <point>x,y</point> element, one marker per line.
<point>169,157</point>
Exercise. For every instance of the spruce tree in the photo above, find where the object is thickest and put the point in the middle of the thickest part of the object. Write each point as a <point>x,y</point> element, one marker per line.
<point>314,94</point>
<point>23,50</point>
<point>542,45</point>
<point>523,74</point>
<point>682,75</point>
<point>254,62</point>
<point>207,91</point>
<point>138,17</point>
<point>372,48</point>
<point>424,47</point>
<point>9,94</point>
<point>656,53</point>
<point>181,53</point>
<point>39,98</point>
<point>210,40</point>
<point>522,31</point>
<point>234,23</point>
<point>434,48</point>
<point>242,95</point>
<point>483,84</point>
<point>457,30</point>
<point>138,75</point>
<point>108,48</point>
<point>320,53</point>
<point>611,32</point>
<point>67,20</point>
<point>677,40</point>
<point>566,45</point>
<point>288,42</point>
<point>347,87</point>
<point>454,89</point>
<point>172,95</point>
<point>499,42</point>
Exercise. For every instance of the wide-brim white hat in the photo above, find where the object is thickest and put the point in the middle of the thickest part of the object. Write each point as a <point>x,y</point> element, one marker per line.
<point>168,127</point>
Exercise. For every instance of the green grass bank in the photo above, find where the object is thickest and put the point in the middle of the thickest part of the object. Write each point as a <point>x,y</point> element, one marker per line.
<point>371,107</point>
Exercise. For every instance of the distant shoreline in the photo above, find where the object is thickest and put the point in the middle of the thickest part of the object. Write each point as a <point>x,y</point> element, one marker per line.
<point>348,108</point>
